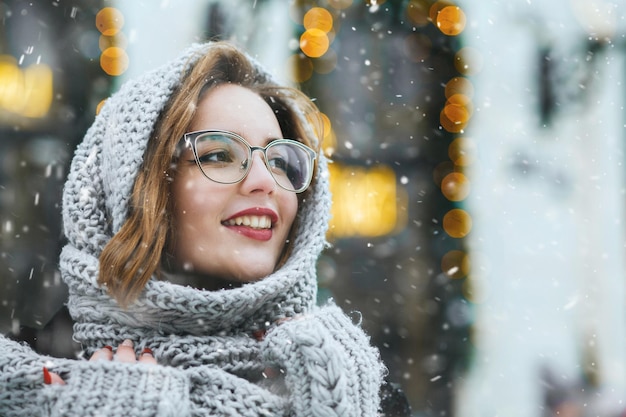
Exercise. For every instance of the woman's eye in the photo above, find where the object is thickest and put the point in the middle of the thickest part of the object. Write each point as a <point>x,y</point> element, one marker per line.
<point>279,164</point>
<point>214,157</point>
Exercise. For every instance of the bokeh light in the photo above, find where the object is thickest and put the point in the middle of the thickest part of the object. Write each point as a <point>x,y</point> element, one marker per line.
<point>340,4</point>
<point>329,142</point>
<point>118,40</point>
<point>417,12</point>
<point>441,171</point>
<point>468,61</point>
<point>27,92</point>
<point>365,201</point>
<point>451,20</point>
<point>462,151</point>
<point>299,68</point>
<point>436,7</point>
<point>457,223</point>
<point>114,61</point>
<point>453,118</point>
<point>455,264</point>
<point>318,18</point>
<point>314,42</point>
<point>109,21</point>
<point>99,105</point>
<point>459,85</point>
<point>455,186</point>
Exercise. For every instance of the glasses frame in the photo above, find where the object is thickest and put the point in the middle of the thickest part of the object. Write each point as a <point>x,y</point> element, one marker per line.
<point>190,141</point>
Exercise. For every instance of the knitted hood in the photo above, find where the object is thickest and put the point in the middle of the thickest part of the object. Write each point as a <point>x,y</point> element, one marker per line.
<point>95,206</point>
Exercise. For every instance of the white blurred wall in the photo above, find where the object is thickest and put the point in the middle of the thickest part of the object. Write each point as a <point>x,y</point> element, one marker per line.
<point>157,31</point>
<point>548,243</point>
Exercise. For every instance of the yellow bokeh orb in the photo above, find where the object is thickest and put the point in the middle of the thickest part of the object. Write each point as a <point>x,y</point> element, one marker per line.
<point>314,43</point>
<point>459,85</point>
<point>457,223</point>
<point>109,21</point>
<point>318,18</point>
<point>455,264</point>
<point>453,118</point>
<point>436,7</point>
<point>451,20</point>
<point>455,186</point>
<point>114,61</point>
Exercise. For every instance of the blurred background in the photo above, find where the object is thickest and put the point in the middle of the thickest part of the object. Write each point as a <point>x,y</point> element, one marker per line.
<point>478,178</point>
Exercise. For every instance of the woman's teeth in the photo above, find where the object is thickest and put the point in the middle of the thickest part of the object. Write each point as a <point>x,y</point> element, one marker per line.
<point>255,222</point>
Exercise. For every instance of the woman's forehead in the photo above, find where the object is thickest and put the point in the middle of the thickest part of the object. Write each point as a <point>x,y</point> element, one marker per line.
<point>237,109</point>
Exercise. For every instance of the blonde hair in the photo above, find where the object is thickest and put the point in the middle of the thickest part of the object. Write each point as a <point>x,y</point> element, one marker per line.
<point>134,254</point>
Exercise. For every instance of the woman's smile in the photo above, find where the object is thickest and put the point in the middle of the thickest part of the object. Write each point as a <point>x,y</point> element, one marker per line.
<point>254,223</point>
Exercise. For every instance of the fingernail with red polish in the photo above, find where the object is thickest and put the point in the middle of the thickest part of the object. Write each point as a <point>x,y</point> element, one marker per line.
<point>47,378</point>
<point>147,351</point>
<point>109,347</point>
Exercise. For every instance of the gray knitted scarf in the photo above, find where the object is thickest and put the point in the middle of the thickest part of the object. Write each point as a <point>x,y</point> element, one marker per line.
<point>210,363</point>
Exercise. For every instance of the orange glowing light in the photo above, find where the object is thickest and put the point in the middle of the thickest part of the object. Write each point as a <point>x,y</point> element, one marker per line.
<point>109,21</point>
<point>457,223</point>
<point>451,20</point>
<point>326,125</point>
<point>417,12</point>
<point>459,85</point>
<point>455,264</point>
<point>329,143</point>
<point>438,6</point>
<point>114,61</point>
<point>462,151</point>
<point>99,106</point>
<point>454,118</point>
<point>455,186</point>
<point>299,68</point>
<point>318,18</point>
<point>314,43</point>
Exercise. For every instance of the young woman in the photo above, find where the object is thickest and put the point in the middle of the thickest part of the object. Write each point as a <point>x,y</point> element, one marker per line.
<point>195,210</point>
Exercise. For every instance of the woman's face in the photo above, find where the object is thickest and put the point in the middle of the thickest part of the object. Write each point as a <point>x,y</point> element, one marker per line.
<point>208,240</point>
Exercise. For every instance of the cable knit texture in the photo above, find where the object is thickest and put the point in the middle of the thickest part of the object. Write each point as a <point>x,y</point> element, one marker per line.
<point>209,362</point>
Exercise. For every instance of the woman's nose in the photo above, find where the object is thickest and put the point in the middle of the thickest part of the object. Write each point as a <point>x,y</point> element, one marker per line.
<point>259,178</point>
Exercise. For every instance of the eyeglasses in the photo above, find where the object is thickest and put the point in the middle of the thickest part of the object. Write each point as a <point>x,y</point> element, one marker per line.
<point>226,158</point>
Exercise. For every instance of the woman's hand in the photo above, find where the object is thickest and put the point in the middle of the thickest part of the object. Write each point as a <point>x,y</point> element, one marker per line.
<point>124,353</point>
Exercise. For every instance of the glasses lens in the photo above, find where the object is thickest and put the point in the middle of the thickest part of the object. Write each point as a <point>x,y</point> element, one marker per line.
<point>290,165</point>
<point>221,157</point>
